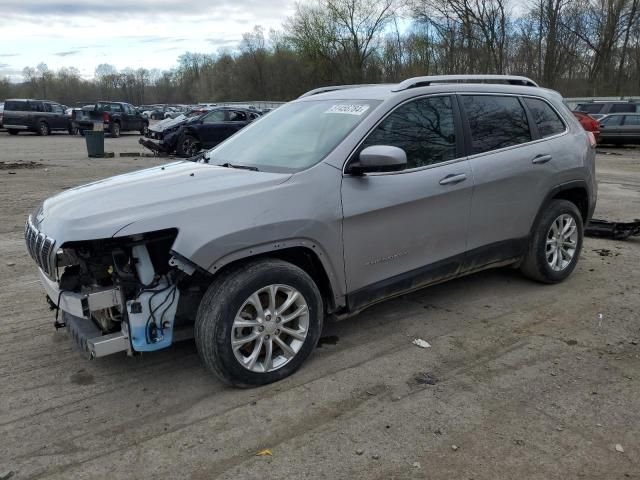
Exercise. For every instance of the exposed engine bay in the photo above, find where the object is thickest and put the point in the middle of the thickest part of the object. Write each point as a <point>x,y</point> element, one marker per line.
<point>125,294</point>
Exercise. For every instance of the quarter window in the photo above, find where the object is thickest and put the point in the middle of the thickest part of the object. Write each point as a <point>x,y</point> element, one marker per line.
<point>546,118</point>
<point>495,122</point>
<point>423,128</point>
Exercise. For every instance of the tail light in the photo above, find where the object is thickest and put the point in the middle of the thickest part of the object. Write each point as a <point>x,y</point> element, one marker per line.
<point>105,116</point>
<point>592,139</point>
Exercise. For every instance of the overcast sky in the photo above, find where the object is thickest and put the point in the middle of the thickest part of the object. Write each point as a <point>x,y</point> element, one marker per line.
<point>125,33</point>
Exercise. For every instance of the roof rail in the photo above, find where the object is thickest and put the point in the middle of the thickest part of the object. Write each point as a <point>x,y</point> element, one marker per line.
<point>332,88</point>
<point>426,81</point>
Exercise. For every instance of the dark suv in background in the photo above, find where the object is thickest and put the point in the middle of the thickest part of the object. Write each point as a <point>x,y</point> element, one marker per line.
<point>599,108</point>
<point>39,116</point>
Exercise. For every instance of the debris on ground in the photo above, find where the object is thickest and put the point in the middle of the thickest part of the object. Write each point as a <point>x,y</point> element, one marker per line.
<point>519,442</point>
<point>454,447</point>
<point>416,465</point>
<point>328,340</point>
<point>603,252</point>
<point>619,448</point>
<point>425,379</point>
<point>421,343</point>
<point>614,230</point>
<point>375,456</point>
<point>18,165</point>
<point>264,453</point>
<point>359,451</point>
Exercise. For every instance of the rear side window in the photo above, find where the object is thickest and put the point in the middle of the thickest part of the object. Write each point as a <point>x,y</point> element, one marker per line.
<point>623,108</point>
<point>423,128</point>
<point>590,107</point>
<point>16,106</point>
<point>546,118</point>
<point>495,122</point>
<point>633,120</point>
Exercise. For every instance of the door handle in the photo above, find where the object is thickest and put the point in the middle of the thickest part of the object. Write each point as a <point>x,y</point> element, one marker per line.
<point>541,159</point>
<point>453,178</point>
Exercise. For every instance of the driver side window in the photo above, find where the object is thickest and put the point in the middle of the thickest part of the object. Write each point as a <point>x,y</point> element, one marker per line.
<point>423,128</point>
<point>214,117</point>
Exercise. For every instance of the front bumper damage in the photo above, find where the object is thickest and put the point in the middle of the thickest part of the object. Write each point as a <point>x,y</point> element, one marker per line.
<point>87,337</point>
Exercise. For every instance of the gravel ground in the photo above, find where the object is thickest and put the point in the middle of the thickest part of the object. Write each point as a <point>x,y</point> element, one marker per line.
<point>522,380</point>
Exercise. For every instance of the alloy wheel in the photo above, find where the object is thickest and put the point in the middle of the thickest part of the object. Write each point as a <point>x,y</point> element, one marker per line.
<point>562,242</point>
<point>270,328</point>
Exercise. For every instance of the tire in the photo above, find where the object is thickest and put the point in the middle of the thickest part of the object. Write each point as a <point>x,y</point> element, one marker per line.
<point>144,130</point>
<point>114,130</point>
<point>539,263</point>
<point>13,132</point>
<point>81,132</point>
<point>43,129</point>
<point>188,146</point>
<point>234,293</point>
<point>73,131</point>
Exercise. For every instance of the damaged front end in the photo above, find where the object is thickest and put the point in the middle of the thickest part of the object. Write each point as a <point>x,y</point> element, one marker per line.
<point>119,294</point>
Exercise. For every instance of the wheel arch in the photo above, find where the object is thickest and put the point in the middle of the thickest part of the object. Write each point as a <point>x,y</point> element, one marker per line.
<point>304,254</point>
<point>575,191</point>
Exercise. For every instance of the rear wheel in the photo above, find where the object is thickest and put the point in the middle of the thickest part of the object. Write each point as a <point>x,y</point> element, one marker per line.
<point>188,146</point>
<point>115,130</point>
<point>13,132</point>
<point>258,323</point>
<point>555,245</point>
<point>73,131</point>
<point>43,129</point>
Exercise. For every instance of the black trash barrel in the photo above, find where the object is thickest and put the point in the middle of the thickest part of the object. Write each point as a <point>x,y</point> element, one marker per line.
<point>95,143</point>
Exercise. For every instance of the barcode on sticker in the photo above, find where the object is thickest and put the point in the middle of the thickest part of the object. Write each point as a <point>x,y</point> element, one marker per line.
<point>349,109</point>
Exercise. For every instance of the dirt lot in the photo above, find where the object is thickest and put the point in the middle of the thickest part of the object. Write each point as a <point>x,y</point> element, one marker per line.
<point>529,381</point>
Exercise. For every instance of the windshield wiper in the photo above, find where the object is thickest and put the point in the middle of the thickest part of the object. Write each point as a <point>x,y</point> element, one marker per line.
<point>242,167</point>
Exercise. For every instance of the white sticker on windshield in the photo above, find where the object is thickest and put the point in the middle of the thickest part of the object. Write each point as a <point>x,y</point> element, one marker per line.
<point>349,109</point>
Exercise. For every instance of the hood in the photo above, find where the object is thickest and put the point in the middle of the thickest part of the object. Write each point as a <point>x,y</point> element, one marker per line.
<point>101,209</point>
<point>169,123</point>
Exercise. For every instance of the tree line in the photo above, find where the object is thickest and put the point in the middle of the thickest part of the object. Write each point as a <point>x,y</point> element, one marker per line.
<point>579,47</point>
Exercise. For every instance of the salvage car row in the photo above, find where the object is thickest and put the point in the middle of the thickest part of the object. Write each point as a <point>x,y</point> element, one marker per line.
<point>181,133</point>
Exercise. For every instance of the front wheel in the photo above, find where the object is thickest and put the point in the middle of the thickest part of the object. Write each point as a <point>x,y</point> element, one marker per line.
<point>115,130</point>
<point>144,130</point>
<point>555,245</point>
<point>257,324</point>
<point>13,132</point>
<point>188,146</point>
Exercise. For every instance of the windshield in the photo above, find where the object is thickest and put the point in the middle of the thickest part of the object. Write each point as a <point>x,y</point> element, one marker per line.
<point>293,137</point>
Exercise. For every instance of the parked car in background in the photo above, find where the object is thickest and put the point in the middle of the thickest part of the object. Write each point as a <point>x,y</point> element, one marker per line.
<point>598,108</point>
<point>620,128</point>
<point>1,113</point>
<point>589,123</point>
<point>187,134</point>
<point>117,117</point>
<point>334,202</point>
<point>39,116</point>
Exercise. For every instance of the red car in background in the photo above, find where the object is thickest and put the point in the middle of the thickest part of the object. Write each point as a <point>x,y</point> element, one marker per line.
<point>589,123</point>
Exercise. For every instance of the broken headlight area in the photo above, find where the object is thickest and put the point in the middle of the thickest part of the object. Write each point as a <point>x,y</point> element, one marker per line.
<point>123,293</point>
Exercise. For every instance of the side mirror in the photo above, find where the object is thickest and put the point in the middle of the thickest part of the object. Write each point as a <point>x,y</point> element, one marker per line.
<point>379,158</point>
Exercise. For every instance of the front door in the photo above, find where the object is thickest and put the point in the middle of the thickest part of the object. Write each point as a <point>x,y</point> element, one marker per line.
<point>403,230</point>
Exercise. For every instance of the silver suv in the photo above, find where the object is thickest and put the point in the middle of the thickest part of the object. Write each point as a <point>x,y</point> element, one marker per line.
<point>338,200</point>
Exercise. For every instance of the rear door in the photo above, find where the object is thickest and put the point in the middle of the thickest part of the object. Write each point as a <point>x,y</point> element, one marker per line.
<point>512,169</point>
<point>630,129</point>
<point>611,128</point>
<point>402,230</point>
<point>58,120</point>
